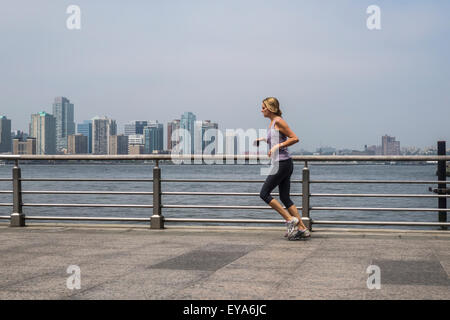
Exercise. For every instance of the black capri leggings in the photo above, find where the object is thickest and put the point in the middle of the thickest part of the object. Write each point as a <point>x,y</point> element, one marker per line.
<point>282,179</point>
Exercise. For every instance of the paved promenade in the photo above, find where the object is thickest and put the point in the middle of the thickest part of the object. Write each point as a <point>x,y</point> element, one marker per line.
<point>220,263</point>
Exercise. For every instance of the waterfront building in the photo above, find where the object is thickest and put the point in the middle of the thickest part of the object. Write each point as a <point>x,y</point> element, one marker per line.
<point>135,127</point>
<point>43,128</point>
<point>85,129</point>
<point>77,144</point>
<point>102,130</point>
<point>118,144</point>
<point>63,111</point>
<point>389,146</point>
<point>200,141</point>
<point>27,146</point>
<point>136,139</point>
<point>172,127</point>
<point>135,149</point>
<point>154,137</point>
<point>5,134</point>
<point>187,123</point>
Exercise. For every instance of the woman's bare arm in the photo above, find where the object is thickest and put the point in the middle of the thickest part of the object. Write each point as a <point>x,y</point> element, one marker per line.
<point>283,127</point>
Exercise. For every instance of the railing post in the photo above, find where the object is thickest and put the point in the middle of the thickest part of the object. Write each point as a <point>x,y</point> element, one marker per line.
<point>157,220</point>
<point>305,197</point>
<point>17,217</point>
<point>441,173</point>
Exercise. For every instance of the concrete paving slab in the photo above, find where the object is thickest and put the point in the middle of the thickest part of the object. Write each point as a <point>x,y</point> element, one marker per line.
<point>255,263</point>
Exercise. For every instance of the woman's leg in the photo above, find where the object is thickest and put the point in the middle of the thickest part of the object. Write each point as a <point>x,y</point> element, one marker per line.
<point>285,188</point>
<point>294,212</point>
<point>271,182</point>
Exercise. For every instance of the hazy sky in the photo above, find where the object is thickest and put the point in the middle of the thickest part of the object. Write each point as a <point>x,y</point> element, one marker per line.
<point>339,84</point>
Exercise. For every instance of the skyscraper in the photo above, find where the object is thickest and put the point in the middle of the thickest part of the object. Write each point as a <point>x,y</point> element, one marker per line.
<point>187,123</point>
<point>172,126</point>
<point>200,127</point>
<point>77,144</point>
<point>135,127</point>
<point>118,144</point>
<point>389,146</point>
<point>43,128</point>
<point>102,129</point>
<point>63,113</point>
<point>85,129</point>
<point>5,134</point>
<point>153,137</point>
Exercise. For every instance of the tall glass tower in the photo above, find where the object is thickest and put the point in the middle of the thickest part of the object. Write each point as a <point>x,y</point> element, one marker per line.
<point>5,134</point>
<point>102,130</point>
<point>65,125</point>
<point>43,128</point>
<point>153,137</point>
<point>85,129</point>
<point>187,122</point>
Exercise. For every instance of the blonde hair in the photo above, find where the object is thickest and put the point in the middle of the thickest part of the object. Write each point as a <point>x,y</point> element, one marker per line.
<point>273,105</point>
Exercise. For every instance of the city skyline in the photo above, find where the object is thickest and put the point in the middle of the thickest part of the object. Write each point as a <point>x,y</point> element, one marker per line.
<point>137,127</point>
<point>338,83</point>
<point>152,135</point>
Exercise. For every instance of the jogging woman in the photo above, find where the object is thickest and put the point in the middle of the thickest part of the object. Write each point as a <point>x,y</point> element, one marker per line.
<point>279,137</point>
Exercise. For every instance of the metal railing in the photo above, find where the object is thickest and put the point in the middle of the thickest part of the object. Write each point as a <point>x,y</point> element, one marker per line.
<point>157,220</point>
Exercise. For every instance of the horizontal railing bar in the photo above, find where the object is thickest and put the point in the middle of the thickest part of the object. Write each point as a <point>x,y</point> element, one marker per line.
<point>238,181</point>
<point>225,157</point>
<point>381,181</point>
<point>151,193</point>
<point>86,218</point>
<point>379,209</point>
<point>5,217</point>
<point>381,195</point>
<point>5,204</point>
<point>6,191</point>
<point>87,192</point>
<point>386,223</point>
<point>219,180</point>
<point>83,179</point>
<point>222,193</point>
<point>224,220</point>
<point>87,205</point>
<point>182,206</point>
<point>2,179</point>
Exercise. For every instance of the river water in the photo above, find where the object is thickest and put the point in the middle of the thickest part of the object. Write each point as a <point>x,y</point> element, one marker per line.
<point>236,171</point>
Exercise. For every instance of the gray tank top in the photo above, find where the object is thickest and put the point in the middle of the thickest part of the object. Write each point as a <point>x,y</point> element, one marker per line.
<point>274,137</point>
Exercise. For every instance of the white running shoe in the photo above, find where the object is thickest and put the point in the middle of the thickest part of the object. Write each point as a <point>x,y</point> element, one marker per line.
<point>291,224</point>
<point>300,234</point>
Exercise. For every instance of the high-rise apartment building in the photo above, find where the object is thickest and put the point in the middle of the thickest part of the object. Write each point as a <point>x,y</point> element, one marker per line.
<point>85,129</point>
<point>136,139</point>
<point>43,128</point>
<point>172,128</point>
<point>5,134</point>
<point>187,122</point>
<point>64,114</point>
<point>77,144</point>
<point>102,130</point>
<point>135,127</point>
<point>154,137</point>
<point>200,140</point>
<point>389,146</point>
<point>118,144</point>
